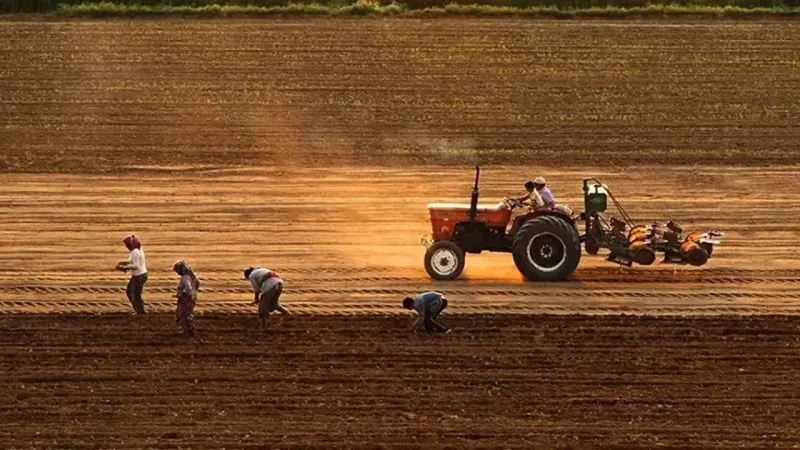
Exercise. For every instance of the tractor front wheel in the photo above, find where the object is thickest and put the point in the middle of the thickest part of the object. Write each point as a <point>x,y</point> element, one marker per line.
<point>547,248</point>
<point>444,260</point>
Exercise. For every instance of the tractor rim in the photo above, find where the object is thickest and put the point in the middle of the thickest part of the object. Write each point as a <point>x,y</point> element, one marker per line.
<point>444,261</point>
<point>547,252</point>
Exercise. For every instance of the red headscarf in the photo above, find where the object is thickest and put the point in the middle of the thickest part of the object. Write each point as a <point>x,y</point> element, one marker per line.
<point>131,242</point>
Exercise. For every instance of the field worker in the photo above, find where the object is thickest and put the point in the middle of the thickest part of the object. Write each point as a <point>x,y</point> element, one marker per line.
<point>544,192</point>
<point>428,305</point>
<point>268,287</point>
<point>136,264</point>
<point>187,297</point>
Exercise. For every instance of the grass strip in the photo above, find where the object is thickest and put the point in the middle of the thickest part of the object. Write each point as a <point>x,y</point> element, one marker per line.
<point>105,9</point>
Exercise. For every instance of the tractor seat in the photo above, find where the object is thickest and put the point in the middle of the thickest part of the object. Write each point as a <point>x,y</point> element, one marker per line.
<point>465,207</point>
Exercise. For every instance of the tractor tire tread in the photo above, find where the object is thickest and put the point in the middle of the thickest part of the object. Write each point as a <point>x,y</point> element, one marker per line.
<point>561,228</point>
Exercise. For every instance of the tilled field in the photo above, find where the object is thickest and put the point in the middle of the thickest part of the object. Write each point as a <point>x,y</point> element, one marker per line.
<point>117,381</point>
<point>347,241</point>
<point>103,95</point>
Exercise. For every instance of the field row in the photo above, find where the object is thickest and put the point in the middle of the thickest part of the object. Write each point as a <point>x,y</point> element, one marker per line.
<point>521,382</point>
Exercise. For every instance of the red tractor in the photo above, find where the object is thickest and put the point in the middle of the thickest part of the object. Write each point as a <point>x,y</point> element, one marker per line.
<point>547,244</point>
<point>546,247</point>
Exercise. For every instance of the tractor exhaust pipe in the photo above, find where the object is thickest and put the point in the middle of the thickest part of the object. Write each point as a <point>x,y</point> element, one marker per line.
<point>473,204</point>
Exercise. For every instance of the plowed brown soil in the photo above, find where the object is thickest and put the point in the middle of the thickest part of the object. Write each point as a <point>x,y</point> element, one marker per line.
<point>103,95</point>
<point>495,382</point>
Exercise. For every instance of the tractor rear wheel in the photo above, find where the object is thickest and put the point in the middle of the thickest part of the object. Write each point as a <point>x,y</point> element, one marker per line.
<point>547,248</point>
<point>444,260</point>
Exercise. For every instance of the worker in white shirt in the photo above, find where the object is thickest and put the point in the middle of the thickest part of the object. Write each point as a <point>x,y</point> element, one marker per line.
<point>268,287</point>
<point>136,264</point>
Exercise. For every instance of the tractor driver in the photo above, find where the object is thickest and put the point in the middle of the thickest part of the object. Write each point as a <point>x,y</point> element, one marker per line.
<point>534,201</point>
<point>533,197</point>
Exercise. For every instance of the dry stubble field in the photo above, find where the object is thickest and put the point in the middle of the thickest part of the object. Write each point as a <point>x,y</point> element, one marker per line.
<point>312,146</point>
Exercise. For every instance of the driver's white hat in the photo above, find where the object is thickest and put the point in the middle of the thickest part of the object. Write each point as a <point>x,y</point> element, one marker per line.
<point>539,180</point>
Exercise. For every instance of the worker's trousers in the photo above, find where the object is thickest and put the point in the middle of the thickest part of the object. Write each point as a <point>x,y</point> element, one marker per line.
<point>269,302</point>
<point>184,314</point>
<point>134,292</point>
<point>431,324</point>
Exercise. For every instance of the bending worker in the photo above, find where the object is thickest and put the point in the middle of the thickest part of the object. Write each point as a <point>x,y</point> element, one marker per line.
<point>268,287</point>
<point>428,305</point>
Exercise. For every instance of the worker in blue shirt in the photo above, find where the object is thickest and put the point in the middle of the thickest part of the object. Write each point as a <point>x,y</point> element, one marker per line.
<point>428,305</point>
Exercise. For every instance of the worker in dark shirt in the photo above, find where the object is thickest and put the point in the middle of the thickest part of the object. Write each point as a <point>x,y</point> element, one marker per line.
<point>187,297</point>
<point>428,305</point>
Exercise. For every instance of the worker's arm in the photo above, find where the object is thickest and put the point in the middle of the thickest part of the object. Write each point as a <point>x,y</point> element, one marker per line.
<point>256,290</point>
<point>415,325</point>
<point>127,264</point>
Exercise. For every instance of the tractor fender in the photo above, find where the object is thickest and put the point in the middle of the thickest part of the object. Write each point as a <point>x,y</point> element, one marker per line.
<point>549,212</point>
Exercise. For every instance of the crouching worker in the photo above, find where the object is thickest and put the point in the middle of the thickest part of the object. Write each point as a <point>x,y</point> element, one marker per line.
<point>268,287</point>
<point>428,305</point>
<point>187,297</point>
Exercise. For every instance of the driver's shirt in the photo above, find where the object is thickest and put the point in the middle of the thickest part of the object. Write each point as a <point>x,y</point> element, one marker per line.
<point>536,200</point>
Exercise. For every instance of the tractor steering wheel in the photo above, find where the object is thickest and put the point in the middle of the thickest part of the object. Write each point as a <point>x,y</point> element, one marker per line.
<point>512,203</point>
